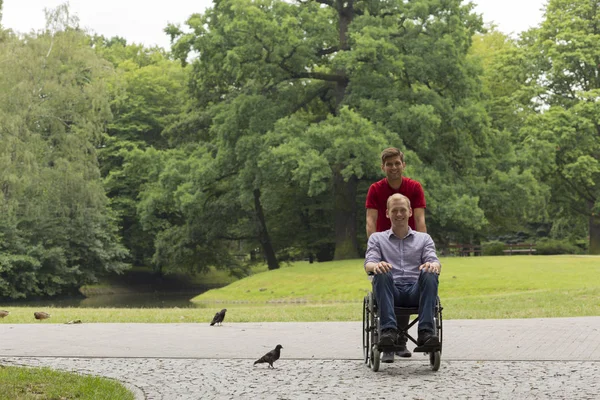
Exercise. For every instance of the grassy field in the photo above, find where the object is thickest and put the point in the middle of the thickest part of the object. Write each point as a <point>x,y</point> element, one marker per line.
<point>470,288</point>
<point>20,383</point>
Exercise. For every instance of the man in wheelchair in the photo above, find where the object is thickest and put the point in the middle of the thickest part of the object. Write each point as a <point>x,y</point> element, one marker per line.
<point>405,271</point>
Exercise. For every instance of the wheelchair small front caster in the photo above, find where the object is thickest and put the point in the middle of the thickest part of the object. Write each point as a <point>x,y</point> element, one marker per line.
<point>434,360</point>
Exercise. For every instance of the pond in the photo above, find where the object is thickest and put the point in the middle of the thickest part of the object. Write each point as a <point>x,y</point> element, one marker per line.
<point>125,300</point>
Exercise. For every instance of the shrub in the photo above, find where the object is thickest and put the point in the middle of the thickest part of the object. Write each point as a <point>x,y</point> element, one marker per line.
<point>492,248</point>
<point>556,246</point>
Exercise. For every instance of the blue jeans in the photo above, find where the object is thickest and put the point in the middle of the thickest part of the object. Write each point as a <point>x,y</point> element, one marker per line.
<point>422,294</point>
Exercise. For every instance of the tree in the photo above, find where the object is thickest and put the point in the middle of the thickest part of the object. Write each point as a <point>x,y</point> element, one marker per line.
<point>148,94</point>
<point>511,197</point>
<point>397,70</point>
<point>55,229</point>
<point>564,133</point>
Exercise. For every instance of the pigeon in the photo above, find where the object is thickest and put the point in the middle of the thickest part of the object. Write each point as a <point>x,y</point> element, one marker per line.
<point>219,317</point>
<point>270,357</point>
<point>4,313</point>
<point>41,315</point>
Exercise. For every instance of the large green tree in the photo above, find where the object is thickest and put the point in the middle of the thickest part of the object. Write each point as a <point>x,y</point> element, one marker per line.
<point>512,197</point>
<point>320,87</point>
<point>55,229</point>
<point>148,93</point>
<point>564,134</point>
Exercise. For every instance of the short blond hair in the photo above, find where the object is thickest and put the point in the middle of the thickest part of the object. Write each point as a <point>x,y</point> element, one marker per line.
<point>399,197</point>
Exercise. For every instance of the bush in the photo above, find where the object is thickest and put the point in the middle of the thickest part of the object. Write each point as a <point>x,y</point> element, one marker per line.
<point>492,248</point>
<point>555,246</point>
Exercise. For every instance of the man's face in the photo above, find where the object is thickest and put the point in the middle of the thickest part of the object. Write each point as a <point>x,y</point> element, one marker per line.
<point>393,168</point>
<point>398,212</point>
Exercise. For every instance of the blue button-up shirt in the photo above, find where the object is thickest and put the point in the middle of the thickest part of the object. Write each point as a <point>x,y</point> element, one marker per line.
<point>405,254</point>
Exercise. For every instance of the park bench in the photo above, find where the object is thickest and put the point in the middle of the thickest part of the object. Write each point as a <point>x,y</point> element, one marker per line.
<point>464,249</point>
<point>520,248</point>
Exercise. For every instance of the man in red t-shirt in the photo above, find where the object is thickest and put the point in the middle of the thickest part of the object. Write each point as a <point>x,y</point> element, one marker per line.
<point>392,164</point>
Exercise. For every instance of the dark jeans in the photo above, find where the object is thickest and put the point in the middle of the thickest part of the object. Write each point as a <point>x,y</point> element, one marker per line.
<point>422,294</point>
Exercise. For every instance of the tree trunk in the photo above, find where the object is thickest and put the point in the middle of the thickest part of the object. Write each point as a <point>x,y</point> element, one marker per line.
<point>263,233</point>
<point>345,208</point>
<point>345,11</point>
<point>594,226</point>
<point>345,211</point>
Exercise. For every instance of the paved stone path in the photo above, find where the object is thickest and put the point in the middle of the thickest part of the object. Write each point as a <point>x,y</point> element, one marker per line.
<point>556,358</point>
<point>166,379</point>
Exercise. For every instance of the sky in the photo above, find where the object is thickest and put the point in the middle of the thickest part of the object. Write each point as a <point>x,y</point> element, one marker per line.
<point>143,21</point>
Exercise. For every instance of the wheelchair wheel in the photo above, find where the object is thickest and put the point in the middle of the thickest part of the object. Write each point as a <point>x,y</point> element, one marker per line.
<point>375,358</point>
<point>438,323</point>
<point>373,318</point>
<point>434,360</point>
<point>366,333</point>
<point>435,357</point>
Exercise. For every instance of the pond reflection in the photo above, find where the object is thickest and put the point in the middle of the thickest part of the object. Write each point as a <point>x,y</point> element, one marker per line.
<point>121,300</point>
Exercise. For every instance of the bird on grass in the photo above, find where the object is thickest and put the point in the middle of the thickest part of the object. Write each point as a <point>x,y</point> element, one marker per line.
<point>270,357</point>
<point>41,315</point>
<point>219,317</point>
<point>4,313</point>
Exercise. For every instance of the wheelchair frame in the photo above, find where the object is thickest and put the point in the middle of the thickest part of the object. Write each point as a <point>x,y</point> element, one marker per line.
<point>371,331</point>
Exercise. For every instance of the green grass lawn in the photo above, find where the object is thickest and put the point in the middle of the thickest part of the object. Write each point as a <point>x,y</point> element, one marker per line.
<point>21,383</point>
<point>470,288</point>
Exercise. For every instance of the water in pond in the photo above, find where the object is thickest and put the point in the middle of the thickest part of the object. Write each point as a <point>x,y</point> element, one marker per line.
<point>125,300</point>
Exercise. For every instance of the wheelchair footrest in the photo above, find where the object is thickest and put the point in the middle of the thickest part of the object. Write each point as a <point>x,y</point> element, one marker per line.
<point>428,348</point>
<point>390,349</point>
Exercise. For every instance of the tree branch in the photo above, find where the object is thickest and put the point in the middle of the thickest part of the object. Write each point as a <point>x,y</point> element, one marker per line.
<point>226,237</point>
<point>575,188</point>
<point>330,50</point>
<point>284,59</point>
<point>326,2</point>
<point>318,93</point>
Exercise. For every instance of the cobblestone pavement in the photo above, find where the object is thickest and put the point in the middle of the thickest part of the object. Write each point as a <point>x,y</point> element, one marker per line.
<point>166,379</point>
<point>545,358</point>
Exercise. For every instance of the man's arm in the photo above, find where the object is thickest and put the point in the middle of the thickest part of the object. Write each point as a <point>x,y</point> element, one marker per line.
<point>380,267</point>
<point>374,263</point>
<point>429,258</point>
<point>419,215</point>
<point>372,214</point>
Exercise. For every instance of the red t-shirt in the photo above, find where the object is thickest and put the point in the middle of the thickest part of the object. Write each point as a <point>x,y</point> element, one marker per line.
<point>381,190</point>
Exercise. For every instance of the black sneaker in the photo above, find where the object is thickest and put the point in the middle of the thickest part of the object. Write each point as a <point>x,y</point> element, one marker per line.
<point>388,337</point>
<point>387,357</point>
<point>427,338</point>
<point>403,352</point>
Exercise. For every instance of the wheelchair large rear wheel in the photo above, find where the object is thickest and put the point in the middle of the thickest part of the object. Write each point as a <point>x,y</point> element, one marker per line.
<point>435,357</point>
<point>374,354</point>
<point>438,324</point>
<point>366,333</point>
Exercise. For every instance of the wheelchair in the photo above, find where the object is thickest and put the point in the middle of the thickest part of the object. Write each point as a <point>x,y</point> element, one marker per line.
<point>371,331</point>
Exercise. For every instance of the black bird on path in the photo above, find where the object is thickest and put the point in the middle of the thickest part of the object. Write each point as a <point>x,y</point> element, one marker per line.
<point>219,317</point>
<point>270,357</point>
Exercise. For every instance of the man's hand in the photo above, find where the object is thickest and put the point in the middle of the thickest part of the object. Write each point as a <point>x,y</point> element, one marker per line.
<point>382,267</point>
<point>430,267</point>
